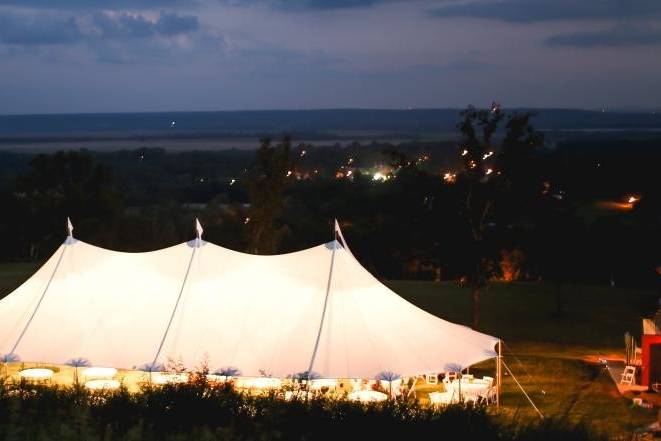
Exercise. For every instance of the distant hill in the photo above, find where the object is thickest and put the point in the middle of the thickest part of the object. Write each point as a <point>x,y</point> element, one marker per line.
<point>242,123</point>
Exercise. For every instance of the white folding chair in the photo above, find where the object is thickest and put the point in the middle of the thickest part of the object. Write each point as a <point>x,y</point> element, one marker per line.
<point>629,375</point>
<point>431,378</point>
<point>490,395</point>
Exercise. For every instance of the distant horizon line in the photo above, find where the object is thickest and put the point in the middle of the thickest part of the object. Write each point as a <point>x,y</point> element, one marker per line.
<point>336,109</point>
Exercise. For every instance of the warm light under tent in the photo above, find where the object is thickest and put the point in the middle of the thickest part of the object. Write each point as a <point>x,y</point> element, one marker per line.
<point>311,314</point>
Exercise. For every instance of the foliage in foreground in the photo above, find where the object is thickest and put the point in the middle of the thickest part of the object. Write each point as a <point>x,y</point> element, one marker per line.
<point>217,412</point>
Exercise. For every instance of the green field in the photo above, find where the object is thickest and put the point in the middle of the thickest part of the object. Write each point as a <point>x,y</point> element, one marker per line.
<point>554,358</point>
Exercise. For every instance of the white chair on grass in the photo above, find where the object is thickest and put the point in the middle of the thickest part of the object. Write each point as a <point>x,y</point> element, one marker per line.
<point>471,396</point>
<point>393,387</point>
<point>490,396</point>
<point>488,380</point>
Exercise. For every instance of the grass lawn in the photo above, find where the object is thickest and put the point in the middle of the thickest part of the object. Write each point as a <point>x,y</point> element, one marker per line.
<point>554,358</point>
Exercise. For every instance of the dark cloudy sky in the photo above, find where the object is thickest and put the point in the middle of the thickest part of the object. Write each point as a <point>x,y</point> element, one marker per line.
<point>141,55</point>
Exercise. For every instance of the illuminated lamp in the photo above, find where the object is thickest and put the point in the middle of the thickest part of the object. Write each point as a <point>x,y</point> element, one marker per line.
<point>36,374</point>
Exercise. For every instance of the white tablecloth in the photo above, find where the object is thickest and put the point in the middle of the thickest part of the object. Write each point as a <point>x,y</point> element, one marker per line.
<point>470,388</point>
<point>367,396</point>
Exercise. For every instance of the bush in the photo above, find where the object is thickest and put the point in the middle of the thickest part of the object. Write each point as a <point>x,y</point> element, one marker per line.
<point>203,411</point>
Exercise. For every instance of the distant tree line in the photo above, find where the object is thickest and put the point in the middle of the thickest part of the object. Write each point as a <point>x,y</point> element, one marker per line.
<point>498,204</point>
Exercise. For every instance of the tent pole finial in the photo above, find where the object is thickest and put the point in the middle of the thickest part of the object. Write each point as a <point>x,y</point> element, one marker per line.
<point>198,229</point>
<point>69,227</point>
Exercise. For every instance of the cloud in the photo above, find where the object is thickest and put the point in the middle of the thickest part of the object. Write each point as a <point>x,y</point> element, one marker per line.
<point>29,29</point>
<point>96,4</point>
<point>304,5</point>
<point>127,25</point>
<point>117,37</point>
<point>170,23</point>
<point>619,37</point>
<point>526,11</point>
<point>26,30</point>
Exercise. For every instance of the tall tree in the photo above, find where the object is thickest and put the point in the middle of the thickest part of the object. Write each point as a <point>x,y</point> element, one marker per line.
<point>270,176</point>
<point>491,171</point>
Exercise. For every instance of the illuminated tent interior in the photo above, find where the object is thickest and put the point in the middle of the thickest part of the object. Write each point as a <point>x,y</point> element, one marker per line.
<point>316,310</point>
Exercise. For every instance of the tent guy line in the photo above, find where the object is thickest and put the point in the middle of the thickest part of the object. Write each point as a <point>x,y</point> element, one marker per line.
<point>43,294</point>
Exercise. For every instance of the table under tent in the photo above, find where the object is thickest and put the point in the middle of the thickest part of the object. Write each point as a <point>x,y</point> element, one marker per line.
<point>314,316</point>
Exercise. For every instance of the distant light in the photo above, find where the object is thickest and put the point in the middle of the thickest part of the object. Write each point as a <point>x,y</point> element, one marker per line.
<point>232,181</point>
<point>450,177</point>
<point>378,176</point>
<point>464,153</point>
<point>350,161</point>
<point>99,372</point>
<point>487,155</point>
<point>36,374</point>
<point>246,220</point>
<point>303,153</point>
<point>546,187</point>
<point>172,124</point>
<point>102,384</point>
<point>349,173</point>
<point>289,172</point>
<point>489,171</point>
<point>633,199</point>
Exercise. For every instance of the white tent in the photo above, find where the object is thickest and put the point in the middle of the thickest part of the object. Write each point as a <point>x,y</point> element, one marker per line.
<point>316,310</point>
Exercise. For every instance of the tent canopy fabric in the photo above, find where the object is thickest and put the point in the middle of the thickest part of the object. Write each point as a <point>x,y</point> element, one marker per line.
<point>313,312</point>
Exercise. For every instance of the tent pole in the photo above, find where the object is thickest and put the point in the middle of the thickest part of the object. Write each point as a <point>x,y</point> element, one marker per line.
<point>499,373</point>
<point>323,313</point>
<point>198,242</point>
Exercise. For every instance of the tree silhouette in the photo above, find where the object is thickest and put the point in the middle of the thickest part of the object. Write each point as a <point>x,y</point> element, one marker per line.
<point>60,185</point>
<point>269,178</point>
<point>490,174</point>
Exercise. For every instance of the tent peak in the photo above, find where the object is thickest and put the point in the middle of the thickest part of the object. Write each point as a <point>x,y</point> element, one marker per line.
<point>198,228</point>
<point>69,227</point>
